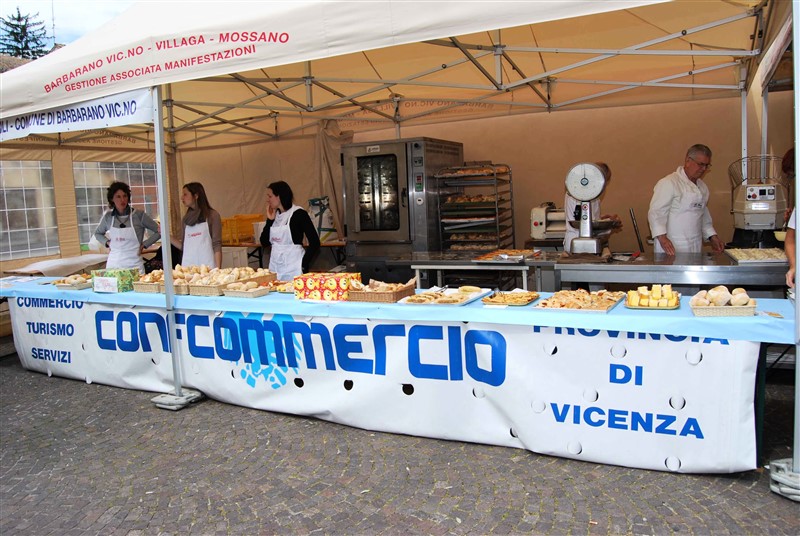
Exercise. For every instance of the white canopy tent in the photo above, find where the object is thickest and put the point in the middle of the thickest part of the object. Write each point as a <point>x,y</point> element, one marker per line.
<point>245,72</point>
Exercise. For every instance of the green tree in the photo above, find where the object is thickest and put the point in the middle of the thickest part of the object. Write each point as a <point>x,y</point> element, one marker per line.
<point>23,36</point>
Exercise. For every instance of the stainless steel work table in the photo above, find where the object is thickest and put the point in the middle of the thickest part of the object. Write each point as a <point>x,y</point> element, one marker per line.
<point>689,269</point>
<point>450,261</point>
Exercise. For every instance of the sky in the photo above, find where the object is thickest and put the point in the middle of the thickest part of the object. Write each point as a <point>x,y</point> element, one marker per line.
<point>73,18</point>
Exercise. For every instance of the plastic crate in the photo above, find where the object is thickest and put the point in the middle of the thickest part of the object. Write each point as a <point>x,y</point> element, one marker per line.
<point>239,228</point>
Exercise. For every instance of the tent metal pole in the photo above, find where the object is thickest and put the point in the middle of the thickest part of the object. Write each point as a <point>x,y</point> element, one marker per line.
<point>796,76</point>
<point>764,119</point>
<point>166,250</point>
<point>743,78</point>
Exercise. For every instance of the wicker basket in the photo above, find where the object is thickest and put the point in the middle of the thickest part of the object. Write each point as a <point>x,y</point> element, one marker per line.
<point>725,310</point>
<point>151,288</point>
<point>266,278</point>
<point>207,290</point>
<point>179,289</point>
<point>380,297</point>
<point>255,293</point>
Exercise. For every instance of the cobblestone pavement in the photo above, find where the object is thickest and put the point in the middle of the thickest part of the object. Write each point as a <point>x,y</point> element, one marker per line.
<point>91,459</point>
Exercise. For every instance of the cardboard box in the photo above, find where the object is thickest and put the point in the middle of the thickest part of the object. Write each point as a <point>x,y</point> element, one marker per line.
<point>324,286</point>
<point>115,280</point>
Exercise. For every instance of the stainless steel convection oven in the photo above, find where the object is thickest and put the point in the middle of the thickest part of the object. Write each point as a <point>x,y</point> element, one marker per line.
<point>391,201</point>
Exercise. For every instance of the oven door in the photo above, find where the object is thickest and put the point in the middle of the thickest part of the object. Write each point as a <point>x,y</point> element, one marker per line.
<point>376,182</point>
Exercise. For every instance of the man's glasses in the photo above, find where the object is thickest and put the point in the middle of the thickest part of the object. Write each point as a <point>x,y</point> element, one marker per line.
<point>701,164</point>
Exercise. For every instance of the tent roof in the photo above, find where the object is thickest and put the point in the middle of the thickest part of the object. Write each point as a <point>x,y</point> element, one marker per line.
<point>372,65</point>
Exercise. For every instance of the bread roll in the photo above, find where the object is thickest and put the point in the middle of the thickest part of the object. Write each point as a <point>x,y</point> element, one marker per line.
<point>719,297</point>
<point>739,290</point>
<point>701,294</point>
<point>698,301</point>
<point>720,288</point>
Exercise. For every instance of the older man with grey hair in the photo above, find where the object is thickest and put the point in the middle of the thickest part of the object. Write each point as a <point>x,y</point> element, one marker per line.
<point>678,215</point>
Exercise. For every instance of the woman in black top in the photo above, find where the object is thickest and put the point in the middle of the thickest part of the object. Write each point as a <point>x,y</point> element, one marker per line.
<point>285,228</point>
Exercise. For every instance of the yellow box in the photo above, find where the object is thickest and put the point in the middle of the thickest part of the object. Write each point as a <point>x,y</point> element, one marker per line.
<point>324,286</point>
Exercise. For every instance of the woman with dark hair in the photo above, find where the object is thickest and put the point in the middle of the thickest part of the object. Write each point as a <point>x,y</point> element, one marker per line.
<point>285,228</point>
<point>201,232</point>
<point>122,228</point>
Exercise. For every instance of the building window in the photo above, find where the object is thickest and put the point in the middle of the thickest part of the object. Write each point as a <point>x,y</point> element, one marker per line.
<point>92,179</point>
<point>28,226</point>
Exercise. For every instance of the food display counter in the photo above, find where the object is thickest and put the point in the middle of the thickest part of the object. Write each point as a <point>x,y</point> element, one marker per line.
<point>689,269</point>
<point>659,389</point>
<point>549,271</point>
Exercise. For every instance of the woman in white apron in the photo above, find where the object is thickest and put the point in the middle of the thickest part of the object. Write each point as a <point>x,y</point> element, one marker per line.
<point>122,229</point>
<point>201,240</point>
<point>286,226</point>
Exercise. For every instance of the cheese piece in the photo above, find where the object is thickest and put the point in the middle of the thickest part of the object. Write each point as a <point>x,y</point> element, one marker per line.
<point>644,291</point>
<point>644,301</point>
<point>663,302</point>
<point>653,302</point>
<point>666,291</point>
<point>672,301</point>
<point>633,298</point>
<point>656,292</point>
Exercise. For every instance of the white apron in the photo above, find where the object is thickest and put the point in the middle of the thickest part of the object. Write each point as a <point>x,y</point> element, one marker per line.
<point>124,246</point>
<point>685,223</point>
<point>286,258</point>
<point>198,249</point>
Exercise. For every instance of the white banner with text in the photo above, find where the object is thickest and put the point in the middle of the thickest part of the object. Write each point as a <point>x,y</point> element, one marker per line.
<point>132,107</point>
<point>670,403</point>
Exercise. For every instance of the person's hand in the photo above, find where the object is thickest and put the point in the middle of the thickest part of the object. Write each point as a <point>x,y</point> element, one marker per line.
<point>270,213</point>
<point>666,245</point>
<point>790,277</point>
<point>716,244</point>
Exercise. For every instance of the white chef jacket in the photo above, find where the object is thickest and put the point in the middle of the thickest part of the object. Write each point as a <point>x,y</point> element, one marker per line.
<point>679,209</point>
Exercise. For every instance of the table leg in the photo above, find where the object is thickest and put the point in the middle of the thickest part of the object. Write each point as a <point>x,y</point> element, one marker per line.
<point>525,279</point>
<point>760,399</point>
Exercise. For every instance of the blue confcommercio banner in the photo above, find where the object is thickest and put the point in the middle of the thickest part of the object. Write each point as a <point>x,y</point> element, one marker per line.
<point>670,403</point>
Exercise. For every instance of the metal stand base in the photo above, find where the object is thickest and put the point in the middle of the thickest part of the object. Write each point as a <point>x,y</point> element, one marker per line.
<point>783,480</point>
<point>172,402</point>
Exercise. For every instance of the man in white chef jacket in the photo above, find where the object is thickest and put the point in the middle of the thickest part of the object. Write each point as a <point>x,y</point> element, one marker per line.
<point>678,215</point>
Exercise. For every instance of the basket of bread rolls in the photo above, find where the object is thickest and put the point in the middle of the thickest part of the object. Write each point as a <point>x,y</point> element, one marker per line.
<point>719,301</point>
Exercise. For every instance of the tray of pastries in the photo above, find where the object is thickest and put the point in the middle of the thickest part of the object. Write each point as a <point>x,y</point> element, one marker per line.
<point>513,298</point>
<point>507,256</point>
<point>654,298</point>
<point>283,287</point>
<point>756,255</point>
<point>599,301</point>
<point>74,282</point>
<point>446,296</point>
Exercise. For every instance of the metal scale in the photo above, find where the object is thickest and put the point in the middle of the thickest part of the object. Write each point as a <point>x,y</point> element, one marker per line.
<point>585,182</point>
